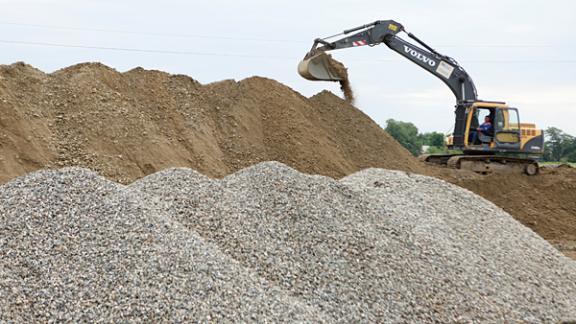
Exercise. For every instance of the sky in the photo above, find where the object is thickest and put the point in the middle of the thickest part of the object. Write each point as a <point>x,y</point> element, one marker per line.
<point>520,52</point>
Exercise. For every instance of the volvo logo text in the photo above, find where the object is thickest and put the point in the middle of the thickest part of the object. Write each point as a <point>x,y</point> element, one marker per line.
<point>419,56</point>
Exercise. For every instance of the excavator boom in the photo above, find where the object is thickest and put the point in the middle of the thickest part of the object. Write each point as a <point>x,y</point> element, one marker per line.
<point>317,65</point>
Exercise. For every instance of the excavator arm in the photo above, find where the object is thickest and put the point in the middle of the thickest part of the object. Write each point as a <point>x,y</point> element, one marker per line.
<point>316,65</point>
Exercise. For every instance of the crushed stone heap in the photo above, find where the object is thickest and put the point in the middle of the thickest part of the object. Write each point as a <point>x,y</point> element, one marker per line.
<point>269,243</point>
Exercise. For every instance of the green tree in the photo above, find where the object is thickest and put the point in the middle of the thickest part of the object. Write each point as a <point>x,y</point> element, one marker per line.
<point>406,134</point>
<point>435,139</point>
<point>559,146</point>
<point>570,150</point>
<point>571,157</point>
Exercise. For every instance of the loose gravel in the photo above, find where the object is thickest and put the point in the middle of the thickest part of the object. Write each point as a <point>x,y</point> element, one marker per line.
<point>75,247</point>
<point>270,244</point>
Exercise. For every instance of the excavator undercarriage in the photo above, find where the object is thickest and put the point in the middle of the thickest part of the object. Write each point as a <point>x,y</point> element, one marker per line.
<point>484,164</point>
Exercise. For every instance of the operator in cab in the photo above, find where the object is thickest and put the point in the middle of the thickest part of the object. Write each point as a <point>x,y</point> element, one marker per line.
<point>483,132</point>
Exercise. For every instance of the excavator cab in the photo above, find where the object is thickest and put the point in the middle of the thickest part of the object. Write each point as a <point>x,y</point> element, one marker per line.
<point>505,133</point>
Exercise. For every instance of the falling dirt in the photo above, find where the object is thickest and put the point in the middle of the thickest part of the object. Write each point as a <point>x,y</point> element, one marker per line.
<point>342,72</point>
<point>128,125</point>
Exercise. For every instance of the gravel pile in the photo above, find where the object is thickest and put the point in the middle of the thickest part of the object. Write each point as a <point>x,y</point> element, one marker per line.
<point>75,247</point>
<point>271,244</point>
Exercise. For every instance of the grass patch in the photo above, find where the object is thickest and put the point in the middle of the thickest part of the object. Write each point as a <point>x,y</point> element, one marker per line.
<point>572,164</point>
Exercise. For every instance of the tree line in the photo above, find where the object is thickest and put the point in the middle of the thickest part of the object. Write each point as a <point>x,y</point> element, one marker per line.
<point>559,146</point>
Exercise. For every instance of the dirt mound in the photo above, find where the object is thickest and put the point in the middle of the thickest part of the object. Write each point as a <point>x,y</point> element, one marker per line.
<point>128,125</point>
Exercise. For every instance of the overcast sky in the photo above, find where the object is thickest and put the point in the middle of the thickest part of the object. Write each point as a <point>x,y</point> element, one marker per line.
<point>521,52</point>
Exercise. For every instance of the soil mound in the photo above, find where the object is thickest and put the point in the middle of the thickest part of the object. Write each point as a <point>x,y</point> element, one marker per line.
<point>128,125</point>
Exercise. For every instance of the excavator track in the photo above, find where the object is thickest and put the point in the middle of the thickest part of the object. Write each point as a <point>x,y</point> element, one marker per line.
<point>486,164</point>
<point>435,158</point>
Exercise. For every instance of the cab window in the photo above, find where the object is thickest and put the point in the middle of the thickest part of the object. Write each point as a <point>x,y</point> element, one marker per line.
<point>507,120</point>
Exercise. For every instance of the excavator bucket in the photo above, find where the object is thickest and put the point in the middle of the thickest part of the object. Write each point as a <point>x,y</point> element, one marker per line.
<point>319,66</point>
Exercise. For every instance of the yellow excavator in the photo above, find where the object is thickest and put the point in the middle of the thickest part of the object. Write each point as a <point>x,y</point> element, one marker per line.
<point>501,143</point>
